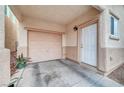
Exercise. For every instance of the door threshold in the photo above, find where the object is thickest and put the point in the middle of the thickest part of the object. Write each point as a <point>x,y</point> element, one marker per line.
<point>93,68</point>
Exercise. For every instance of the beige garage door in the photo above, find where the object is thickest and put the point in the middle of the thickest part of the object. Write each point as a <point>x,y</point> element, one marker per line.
<point>44,46</point>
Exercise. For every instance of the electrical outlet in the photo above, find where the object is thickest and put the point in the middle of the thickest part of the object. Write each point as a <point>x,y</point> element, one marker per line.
<point>110,58</point>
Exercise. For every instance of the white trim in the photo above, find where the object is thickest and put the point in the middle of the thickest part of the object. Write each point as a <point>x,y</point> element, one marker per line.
<point>114,37</point>
<point>116,33</point>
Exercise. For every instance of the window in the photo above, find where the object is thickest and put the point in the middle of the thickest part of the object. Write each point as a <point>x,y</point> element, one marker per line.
<point>114,27</point>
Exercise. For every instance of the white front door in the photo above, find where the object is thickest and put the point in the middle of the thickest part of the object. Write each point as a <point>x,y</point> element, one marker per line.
<point>89,45</point>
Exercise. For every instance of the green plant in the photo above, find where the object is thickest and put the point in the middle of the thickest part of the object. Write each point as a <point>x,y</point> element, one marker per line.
<point>20,62</point>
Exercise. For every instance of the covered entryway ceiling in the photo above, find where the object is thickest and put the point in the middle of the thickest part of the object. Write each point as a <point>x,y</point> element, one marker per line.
<point>61,14</point>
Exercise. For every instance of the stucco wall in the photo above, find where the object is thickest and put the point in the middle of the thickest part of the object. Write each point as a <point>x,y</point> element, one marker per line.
<point>114,48</point>
<point>10,34</point>
<point>38,24</point>
<point>109,49</point>
<point>2,27</point>
<point>16,33</point>
<point>4,67</point>
<point>32,23</point>
<point>22,40</point>
<point>4,53</point>
<point>63,45</point>
<point>71,35</point>
<point>111,52</point>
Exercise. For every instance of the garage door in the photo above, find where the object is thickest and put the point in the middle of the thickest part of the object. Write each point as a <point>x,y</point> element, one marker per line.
<point>44,46</point>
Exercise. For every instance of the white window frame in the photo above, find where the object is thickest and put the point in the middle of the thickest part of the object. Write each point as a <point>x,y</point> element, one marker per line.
<point>114,36</point>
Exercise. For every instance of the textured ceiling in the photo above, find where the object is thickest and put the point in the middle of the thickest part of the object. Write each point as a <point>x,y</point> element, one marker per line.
<point>61,14</point>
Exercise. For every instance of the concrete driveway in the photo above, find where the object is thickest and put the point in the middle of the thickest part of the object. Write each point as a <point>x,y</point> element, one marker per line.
<point>62,73</point>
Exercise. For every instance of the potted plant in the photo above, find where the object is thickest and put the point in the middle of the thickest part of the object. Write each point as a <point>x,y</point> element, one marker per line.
<point>21,62</point>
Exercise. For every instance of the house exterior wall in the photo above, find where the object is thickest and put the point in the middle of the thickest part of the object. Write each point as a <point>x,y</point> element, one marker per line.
<point>41,24</point>
<point>72,36</point>
<point>2,37</point>
<point>111,52</point>
<point>32,23</point>
<point>10,34</point>
<point>102,50</point>
<point>22,40</point>
<point>114,48</point>
<point>15,32</point>
<point>4,67</point>
<point>63,45</point>
<point>4,53</point>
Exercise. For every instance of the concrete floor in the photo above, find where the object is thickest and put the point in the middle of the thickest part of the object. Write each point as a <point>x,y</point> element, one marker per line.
<point>62,74</point>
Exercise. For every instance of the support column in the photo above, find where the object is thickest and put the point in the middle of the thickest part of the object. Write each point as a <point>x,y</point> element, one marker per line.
<point>4,53</point>
<point>103,28</point>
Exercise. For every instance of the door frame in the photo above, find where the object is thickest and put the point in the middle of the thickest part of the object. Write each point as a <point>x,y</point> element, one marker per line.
<point>88,23</point>
<point>42,31</point>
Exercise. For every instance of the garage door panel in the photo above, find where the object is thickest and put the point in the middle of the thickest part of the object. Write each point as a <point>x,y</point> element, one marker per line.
<point>44,46</point>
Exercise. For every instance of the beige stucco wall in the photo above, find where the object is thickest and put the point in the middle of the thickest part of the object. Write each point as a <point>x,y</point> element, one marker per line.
<point>20,34</point>
<point>4,67</point>
<point>114,48</point>
<point>4,53</point>
<point>16,33</point>
<point>111,52</point>
<point>63,45</point>
<point>41,24</point>
<point>22,40</point>
<point>10,34</point>
<point>38,24</point>
<point>108,48</point>
<point>101,42</point>
<point>32,23</point>
<point>71,35</point>
<point>2,37</point>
